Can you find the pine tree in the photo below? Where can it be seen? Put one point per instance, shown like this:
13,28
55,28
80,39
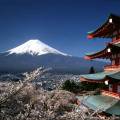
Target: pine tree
92,70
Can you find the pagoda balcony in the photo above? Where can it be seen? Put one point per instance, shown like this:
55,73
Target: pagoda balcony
111,94
112,68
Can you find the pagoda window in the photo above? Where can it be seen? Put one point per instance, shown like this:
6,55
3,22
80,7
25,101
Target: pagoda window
106,82
110,20
108,50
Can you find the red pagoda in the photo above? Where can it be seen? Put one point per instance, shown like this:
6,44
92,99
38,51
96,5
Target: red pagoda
111,74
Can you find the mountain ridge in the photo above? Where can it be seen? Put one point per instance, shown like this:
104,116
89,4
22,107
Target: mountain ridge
22,60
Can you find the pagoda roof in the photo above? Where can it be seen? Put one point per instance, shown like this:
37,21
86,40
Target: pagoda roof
115,76
103,53
106,30
104,103
99,77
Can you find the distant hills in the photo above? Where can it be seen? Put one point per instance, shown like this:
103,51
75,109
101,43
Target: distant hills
34,54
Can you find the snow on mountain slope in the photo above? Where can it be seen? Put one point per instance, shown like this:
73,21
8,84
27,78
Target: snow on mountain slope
34,47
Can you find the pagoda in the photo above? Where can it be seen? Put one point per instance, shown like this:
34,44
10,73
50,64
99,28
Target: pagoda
109,97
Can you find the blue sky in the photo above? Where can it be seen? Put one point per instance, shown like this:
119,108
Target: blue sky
62,24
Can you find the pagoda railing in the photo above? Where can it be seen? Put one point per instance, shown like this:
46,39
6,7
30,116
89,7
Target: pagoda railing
110,93
111,67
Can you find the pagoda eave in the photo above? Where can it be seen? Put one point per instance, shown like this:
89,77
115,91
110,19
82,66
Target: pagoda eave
102,54
107,29
106,53
82,79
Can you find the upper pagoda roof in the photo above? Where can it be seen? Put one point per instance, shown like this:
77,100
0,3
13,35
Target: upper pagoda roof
106,30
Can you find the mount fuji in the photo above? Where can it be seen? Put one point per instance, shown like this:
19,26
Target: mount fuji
34,53
34,47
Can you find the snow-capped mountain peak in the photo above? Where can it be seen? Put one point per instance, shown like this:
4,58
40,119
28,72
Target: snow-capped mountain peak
34,47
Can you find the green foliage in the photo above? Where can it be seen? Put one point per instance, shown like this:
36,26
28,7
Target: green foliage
92,86
81,86
71,86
